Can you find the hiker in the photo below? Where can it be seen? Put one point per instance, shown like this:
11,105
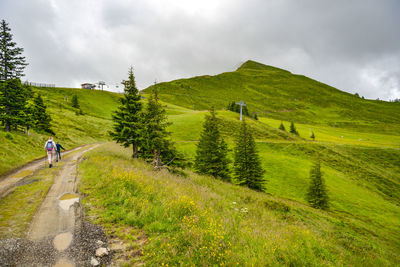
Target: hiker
50,147
58,151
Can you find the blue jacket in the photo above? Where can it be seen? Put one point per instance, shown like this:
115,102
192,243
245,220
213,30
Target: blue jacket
59,146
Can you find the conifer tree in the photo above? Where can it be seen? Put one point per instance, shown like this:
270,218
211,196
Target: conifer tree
231,106
29,111
245,111
255,116
312,136
317,194
13,96
247,165
282,127
236,108
40,116
155,142
211,153
293,129
127,123
75,101
12,63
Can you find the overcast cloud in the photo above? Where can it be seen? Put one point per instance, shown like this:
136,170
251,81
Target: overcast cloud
352,45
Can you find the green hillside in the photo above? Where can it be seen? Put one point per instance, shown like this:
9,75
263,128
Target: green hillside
200,221
276,93
16,148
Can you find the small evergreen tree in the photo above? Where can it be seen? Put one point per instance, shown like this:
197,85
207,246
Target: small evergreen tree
29,110
40,116
312,136
317,194
75,101
245,111
12,63
282,127
13,97
255,116
247,165
211,153
127,121
231,106
154,134
293,129
236,108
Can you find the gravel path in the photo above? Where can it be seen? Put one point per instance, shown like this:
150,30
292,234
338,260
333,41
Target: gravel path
13,178
59,234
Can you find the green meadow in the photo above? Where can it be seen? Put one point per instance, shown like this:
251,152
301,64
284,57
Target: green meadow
200,221
72,130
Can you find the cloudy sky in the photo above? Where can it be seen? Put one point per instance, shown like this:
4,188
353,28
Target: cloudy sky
352,45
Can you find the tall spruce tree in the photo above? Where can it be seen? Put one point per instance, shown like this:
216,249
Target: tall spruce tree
155,141
12,63
247,165
13,96
293,129
127,123
317,194
211,153
42,120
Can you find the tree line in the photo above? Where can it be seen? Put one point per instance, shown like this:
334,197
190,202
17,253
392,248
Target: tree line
144,127
20,107
212,159
232,106
212,155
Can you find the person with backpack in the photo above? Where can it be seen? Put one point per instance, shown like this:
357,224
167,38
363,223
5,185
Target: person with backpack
58,151
50,147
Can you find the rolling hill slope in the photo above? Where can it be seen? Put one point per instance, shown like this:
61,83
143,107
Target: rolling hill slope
71,130
279,94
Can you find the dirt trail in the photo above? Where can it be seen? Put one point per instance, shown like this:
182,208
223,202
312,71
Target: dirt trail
54,215
58,234
9,181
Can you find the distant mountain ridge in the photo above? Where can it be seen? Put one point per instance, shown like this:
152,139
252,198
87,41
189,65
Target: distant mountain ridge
277,93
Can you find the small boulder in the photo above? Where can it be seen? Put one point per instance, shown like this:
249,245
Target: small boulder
100,243
100,252
94,262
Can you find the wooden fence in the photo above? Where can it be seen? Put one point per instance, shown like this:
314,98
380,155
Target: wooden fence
39,84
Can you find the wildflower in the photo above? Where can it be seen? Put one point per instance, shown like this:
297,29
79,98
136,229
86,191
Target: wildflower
244,210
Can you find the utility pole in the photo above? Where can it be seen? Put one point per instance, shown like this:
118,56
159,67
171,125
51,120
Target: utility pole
101,83
241,103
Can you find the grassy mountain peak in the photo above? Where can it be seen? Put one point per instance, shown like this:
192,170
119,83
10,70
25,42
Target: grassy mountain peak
253,65
278,94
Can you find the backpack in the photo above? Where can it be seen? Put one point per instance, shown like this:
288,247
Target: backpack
49,145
